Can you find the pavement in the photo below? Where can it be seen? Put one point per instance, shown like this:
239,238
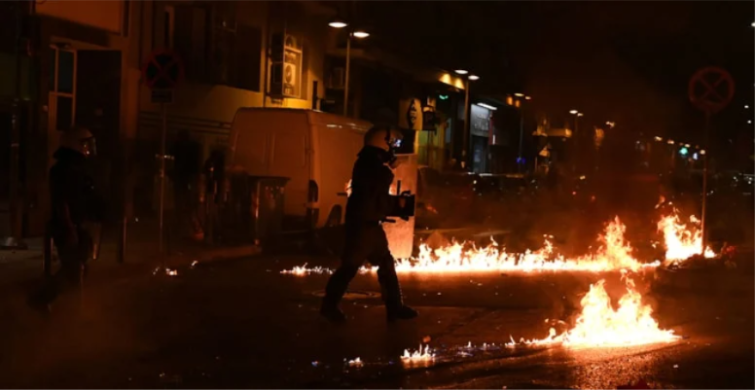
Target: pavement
243,324
21,268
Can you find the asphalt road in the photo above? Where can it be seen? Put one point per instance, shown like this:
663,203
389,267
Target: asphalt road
243,324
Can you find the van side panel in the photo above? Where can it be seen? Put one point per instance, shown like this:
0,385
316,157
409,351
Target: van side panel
290,160
274,143
338,148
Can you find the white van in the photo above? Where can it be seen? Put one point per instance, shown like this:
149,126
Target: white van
315,150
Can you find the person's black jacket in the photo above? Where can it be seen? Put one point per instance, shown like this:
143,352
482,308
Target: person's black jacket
72,186
371,180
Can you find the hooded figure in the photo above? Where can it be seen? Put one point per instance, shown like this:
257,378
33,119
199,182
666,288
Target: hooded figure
367,208
74,202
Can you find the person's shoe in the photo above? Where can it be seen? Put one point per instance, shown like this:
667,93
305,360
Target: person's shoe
332,313
402,313
39,304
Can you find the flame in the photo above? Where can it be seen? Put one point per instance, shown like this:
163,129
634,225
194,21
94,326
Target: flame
614,253
599,325
348,188
421,355
355,362
301,270
682,242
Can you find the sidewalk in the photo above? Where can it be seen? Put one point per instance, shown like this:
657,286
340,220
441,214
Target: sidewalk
22,266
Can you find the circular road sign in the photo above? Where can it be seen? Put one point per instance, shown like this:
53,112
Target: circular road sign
711,89
163,70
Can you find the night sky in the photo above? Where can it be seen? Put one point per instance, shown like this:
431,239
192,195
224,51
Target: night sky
628,62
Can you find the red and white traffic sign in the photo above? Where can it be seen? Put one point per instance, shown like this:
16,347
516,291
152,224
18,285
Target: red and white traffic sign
711,89
163,70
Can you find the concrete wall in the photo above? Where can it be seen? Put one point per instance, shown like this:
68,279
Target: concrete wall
77,25
102,15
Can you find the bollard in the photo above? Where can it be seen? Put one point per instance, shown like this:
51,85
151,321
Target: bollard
122,240
47,260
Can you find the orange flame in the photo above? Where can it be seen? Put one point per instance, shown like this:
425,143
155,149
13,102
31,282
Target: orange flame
614,253
423,354
682,241
600,326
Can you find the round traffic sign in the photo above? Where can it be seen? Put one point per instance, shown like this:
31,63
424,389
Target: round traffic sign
711,89
163,70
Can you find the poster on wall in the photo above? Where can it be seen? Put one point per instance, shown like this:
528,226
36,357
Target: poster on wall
480,121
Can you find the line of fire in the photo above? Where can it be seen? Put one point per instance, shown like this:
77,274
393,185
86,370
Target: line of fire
354,194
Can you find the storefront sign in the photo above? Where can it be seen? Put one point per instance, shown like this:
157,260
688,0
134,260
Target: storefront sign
480,121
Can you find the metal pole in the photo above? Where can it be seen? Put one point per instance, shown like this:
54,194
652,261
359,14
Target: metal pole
162,179
346,77
521,138
14,240
465,138
705,184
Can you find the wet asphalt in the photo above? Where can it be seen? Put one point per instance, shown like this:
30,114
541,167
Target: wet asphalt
243,324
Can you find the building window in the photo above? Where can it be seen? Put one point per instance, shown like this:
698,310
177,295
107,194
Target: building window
169,21
62,85
189,38
238,53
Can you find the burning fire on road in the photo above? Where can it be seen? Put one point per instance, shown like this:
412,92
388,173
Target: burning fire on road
599,325
682,242
613,254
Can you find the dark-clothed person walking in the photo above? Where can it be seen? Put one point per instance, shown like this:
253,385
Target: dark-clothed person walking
366,210
74,204
185,177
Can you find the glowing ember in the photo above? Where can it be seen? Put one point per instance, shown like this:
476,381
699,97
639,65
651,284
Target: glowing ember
168,271
301,270
599,325
356,362
613,254
421,355
682,242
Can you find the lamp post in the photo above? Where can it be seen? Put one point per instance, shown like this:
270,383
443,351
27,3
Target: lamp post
359,34
521,129
465,138
577,115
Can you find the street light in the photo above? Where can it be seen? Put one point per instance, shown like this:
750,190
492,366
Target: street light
528,98
465,144
573,112
519,94
338,24
359,34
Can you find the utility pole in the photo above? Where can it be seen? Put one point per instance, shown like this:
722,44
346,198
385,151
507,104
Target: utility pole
465,138
14,241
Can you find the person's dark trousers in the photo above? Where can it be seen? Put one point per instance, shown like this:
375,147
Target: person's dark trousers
73,261
365,242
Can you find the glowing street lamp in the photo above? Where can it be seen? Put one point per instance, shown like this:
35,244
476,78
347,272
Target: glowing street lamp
338,24
360,34
461,71
573,112
474,77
